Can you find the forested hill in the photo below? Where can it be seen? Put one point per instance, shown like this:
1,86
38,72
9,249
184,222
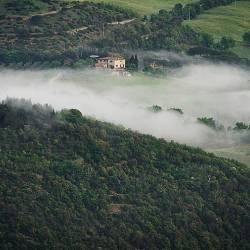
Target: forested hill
52,33
69,182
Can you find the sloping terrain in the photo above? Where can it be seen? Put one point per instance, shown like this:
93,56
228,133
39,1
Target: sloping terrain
240,153
145,7
27,7
74,31
67,182
231,20
55,34
47,34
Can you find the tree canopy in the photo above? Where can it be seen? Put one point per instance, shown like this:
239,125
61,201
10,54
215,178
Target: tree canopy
70,182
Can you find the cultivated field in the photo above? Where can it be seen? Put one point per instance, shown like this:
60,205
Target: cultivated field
232,20
145,7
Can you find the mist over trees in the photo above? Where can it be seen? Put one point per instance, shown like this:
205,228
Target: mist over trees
80,183
69,181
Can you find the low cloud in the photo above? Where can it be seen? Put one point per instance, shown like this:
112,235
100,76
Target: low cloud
218,91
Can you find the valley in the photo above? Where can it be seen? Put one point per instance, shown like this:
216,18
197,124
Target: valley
124,124
223,96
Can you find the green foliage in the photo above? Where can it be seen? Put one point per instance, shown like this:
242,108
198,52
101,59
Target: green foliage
71,116
208,4
226,43
64,34
178,10
36,20
160,31
22,33
151,71
207,40
241,126
19,5
147,7
67,182
246,37
177,110
155,108
26,7
210,122
56,37
132,63
230,20
192,10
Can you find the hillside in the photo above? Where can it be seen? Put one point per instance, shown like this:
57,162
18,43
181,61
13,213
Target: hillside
72,32
26,7
68,182
231,20
147,6
241,153
49,34
57,35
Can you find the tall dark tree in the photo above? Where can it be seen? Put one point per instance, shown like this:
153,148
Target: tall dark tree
226,43
177,10
246,37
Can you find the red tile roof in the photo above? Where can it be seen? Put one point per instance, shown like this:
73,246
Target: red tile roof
111,58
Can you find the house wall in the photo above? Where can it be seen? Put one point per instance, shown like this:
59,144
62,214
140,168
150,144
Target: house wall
104,63
116,64
112,63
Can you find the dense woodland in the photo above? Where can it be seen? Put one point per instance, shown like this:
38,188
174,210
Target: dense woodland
70,182
57,38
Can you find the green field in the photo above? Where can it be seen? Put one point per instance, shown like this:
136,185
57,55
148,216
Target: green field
232,20
239,153
145,7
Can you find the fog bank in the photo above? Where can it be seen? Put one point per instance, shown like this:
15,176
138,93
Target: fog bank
218,91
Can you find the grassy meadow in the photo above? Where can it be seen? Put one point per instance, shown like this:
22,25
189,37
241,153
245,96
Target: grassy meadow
145,7
231,20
